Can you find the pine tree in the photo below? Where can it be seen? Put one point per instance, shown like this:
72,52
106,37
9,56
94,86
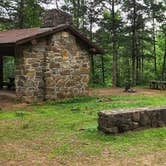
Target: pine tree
156,13
134,10
22,13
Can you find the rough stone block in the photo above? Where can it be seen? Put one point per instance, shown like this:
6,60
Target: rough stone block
118,121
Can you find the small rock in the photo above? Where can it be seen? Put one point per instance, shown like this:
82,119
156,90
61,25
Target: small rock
104,100
130,91
75,109
82,129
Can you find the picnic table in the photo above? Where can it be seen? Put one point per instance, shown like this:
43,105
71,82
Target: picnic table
161,85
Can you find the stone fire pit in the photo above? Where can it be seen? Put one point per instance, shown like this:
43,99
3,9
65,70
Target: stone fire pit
119,121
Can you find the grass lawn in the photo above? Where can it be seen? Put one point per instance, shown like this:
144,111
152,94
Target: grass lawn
65,133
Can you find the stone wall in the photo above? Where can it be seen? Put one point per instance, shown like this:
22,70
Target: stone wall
54,68
29,72
67,71
118,121
54,17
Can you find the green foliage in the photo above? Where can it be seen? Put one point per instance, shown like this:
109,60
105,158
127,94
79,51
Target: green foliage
21,13
8,68
95,19
3,27
32,14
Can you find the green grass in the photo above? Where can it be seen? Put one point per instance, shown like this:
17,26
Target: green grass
67,129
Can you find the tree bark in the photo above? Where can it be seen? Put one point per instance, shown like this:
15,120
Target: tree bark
134,73
75,12
78,13
1,71
103,69
142,57
164,62
114,47
91,25
21,14
154,46
92,69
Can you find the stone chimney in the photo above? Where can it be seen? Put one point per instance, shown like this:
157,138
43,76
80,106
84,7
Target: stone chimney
54,17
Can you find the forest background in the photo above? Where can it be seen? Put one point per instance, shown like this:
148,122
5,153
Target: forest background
132,34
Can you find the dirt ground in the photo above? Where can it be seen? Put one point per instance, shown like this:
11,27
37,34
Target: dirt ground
8,99
109,159
119,91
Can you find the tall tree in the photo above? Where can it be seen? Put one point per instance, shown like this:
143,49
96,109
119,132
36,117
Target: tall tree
156,13
109,37
22,13
134,10
114,45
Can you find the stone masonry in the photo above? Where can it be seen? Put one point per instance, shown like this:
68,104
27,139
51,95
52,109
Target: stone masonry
119,121
54,17
52,68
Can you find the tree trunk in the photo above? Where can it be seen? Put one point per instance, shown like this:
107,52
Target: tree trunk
21,14
134,73
154,46
103,69
91,25
56,3
91,32
142,64
114,47
1,71
92,69
78,13
164,62
75,13
83,17
142,57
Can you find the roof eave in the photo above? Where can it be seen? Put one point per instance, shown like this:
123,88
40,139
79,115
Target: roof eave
7,44
92,47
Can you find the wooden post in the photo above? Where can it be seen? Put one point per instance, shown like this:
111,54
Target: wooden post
1,71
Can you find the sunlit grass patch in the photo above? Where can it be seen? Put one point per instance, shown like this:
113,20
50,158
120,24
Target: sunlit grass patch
67,129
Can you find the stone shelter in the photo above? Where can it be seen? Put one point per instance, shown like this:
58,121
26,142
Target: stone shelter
50,62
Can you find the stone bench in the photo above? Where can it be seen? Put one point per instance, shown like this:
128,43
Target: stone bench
119,121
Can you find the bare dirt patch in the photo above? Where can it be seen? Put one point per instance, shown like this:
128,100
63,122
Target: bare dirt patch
21,154
8,101
120,91
150,159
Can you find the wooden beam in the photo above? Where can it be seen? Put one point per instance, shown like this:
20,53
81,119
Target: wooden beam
1,71
7,51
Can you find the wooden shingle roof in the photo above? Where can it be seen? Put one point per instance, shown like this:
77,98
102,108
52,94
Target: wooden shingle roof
22,36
